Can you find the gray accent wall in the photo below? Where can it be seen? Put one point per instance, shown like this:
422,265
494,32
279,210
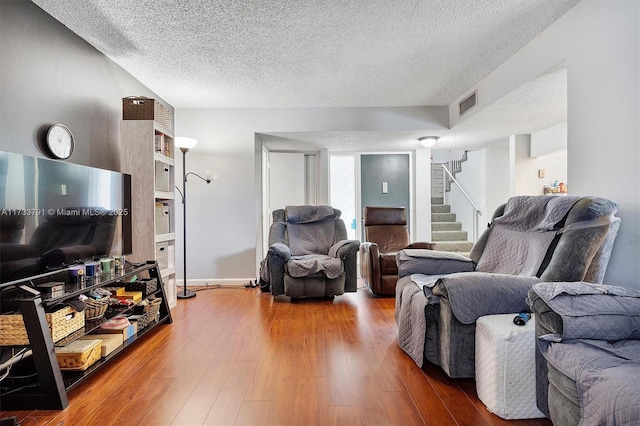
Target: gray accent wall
392,169
50,75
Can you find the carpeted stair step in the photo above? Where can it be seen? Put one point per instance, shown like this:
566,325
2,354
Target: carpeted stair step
456,246
442,208
437,200
446,226
443,217
449,236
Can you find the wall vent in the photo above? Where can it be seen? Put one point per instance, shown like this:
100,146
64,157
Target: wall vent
469,102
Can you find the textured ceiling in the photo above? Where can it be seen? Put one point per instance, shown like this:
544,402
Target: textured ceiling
294,53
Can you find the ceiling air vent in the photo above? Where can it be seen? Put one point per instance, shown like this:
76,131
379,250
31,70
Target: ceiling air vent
469,102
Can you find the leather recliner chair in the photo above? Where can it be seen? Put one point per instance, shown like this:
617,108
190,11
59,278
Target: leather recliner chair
385,233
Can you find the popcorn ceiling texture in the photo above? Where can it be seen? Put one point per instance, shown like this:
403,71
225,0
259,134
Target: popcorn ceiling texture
293,53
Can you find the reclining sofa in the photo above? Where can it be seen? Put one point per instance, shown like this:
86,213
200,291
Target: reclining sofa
531,239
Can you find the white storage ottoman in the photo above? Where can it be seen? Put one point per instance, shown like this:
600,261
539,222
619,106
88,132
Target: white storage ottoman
505,366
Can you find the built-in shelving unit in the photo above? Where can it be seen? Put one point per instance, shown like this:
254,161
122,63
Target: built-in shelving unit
147,155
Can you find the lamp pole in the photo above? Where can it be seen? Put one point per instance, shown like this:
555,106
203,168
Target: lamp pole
186,294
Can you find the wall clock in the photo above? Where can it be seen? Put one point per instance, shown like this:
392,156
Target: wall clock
59,141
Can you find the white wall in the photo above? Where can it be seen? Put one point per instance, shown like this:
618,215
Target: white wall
228,215
498,179
599,42
549,140
485,178
473,181
526,168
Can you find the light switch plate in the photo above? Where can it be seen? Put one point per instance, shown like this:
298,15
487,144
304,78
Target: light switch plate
385,188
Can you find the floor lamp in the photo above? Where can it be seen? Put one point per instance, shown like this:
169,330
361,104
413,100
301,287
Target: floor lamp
185,144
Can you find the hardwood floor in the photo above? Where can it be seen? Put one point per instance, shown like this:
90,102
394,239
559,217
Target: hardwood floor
235,356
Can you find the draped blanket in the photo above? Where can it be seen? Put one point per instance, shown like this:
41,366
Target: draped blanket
410,317
521,236
476,294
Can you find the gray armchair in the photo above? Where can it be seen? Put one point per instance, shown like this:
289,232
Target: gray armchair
531,239
309,254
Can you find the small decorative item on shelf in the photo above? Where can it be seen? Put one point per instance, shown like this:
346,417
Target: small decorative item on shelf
556,188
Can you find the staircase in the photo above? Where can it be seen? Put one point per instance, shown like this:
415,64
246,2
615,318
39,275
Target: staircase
446,232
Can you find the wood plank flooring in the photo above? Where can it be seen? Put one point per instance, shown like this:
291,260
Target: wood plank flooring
235,356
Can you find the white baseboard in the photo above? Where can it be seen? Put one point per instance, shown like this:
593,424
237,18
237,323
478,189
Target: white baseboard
214,281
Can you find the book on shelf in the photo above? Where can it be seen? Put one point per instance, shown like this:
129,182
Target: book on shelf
160,144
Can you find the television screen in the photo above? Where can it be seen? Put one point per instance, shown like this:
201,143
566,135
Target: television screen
53,214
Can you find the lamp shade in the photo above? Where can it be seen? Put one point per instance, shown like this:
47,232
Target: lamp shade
428,141
186,143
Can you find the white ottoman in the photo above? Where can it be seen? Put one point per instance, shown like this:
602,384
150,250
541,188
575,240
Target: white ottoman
505,366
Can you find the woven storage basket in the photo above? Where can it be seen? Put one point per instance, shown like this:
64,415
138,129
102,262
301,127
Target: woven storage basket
150,312
61,323
79,355
142,108
95,308
146,286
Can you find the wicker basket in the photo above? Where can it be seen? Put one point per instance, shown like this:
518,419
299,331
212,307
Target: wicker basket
61,323
142,108
79,355
95,308
150,312
146,286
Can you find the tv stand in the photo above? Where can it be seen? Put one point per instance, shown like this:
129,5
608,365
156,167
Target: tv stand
49,391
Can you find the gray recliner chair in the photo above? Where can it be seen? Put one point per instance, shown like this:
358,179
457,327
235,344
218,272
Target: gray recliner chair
531,239
309,254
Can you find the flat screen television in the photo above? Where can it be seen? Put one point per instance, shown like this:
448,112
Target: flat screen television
54,214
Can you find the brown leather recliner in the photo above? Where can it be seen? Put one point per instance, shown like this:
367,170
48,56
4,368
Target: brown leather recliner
385,233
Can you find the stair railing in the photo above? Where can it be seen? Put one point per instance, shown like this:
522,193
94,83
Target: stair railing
476,210
455,159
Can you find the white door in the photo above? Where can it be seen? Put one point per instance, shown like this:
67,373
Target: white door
286,180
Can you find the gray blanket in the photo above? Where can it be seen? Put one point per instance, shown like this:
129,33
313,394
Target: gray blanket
475,294
598,349
521,236
593,311
412,324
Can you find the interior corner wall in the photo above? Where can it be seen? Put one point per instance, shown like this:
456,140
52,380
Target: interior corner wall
599,42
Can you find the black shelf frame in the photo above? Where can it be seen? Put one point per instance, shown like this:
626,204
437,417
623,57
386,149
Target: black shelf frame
50,393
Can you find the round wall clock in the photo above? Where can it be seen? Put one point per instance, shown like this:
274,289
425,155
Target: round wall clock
59,141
